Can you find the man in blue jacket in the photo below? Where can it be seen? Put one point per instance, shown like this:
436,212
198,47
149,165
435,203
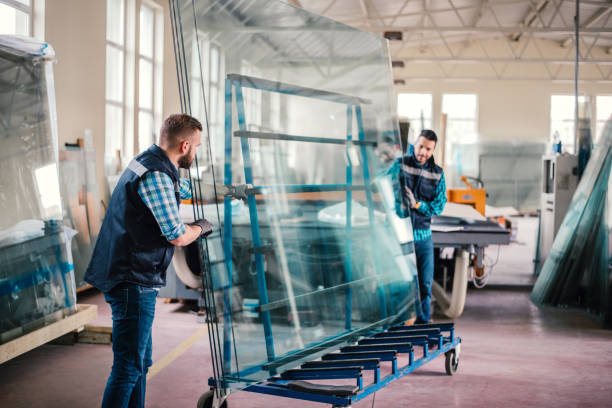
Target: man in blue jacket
141,227
424,194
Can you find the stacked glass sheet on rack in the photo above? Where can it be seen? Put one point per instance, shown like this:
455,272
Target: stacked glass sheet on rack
577,270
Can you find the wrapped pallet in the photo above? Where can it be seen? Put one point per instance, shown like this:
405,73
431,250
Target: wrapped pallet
36,269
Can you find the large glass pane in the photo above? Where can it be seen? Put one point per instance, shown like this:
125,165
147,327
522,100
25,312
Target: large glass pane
114,74
146,134
115,21
145,84
318,256
13,21
147,36
36,270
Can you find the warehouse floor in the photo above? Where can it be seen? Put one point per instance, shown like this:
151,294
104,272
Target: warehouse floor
513,354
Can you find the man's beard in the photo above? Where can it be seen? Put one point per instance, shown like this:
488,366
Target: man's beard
185,160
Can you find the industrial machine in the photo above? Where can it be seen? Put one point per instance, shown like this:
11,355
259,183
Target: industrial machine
473,196
559,181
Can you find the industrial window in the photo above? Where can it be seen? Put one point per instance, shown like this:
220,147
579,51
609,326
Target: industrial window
562,119
133,77
149,76
603,106
115,79
462,117
16,17
212,84
417,108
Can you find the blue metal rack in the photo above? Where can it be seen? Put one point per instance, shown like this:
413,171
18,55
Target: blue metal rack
357,353
235,83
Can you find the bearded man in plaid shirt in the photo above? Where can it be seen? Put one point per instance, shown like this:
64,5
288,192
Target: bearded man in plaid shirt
134,248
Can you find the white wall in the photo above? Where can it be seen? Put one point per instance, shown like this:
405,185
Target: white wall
77,31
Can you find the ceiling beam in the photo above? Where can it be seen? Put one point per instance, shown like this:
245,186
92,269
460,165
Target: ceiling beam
503,29
470,60
530,18
595,17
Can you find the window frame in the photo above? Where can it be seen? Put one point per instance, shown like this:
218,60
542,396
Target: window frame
417,120
24,8
118,104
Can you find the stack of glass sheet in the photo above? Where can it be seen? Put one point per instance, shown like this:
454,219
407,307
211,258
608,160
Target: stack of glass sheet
577,270
300,107
82,209
36,279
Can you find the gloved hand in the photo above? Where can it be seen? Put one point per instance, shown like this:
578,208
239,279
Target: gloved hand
206,226
413,202
239,191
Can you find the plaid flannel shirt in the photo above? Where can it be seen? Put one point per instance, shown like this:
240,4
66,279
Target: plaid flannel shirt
157,191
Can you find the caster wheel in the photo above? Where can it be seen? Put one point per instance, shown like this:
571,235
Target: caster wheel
452,362
206,400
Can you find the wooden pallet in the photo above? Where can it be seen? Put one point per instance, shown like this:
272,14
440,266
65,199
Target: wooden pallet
29,341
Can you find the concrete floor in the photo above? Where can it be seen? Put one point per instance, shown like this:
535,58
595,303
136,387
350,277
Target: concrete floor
513,354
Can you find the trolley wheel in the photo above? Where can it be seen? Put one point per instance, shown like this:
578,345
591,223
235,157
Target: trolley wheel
206,400
452,362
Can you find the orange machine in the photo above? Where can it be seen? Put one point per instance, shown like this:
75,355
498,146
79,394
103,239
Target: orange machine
476,197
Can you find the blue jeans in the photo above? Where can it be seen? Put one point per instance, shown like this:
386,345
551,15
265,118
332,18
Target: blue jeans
133,308
425,264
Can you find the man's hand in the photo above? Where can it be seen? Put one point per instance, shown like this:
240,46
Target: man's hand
413,202
206,227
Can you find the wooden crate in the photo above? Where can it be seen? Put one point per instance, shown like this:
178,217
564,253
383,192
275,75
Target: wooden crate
29,341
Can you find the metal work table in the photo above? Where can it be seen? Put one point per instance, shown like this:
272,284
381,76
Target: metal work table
469,238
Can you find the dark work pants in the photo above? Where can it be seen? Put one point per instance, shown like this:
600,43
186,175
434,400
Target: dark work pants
425,264
133,308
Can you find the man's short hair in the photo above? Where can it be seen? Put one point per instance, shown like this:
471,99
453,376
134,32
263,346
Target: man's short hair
429,135
177,128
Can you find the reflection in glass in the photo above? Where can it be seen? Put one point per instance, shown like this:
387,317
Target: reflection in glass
48,189
316,255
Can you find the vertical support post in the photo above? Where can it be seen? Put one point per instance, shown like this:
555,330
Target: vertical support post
348,254
410,357
426,350
259,264
227,229
368,191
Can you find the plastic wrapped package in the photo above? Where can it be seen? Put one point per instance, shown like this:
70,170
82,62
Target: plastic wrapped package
299,107
36,278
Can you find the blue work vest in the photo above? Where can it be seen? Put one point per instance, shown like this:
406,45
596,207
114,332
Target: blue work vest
130,246
423,180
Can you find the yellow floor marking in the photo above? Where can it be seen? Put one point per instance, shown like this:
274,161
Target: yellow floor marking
176,352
